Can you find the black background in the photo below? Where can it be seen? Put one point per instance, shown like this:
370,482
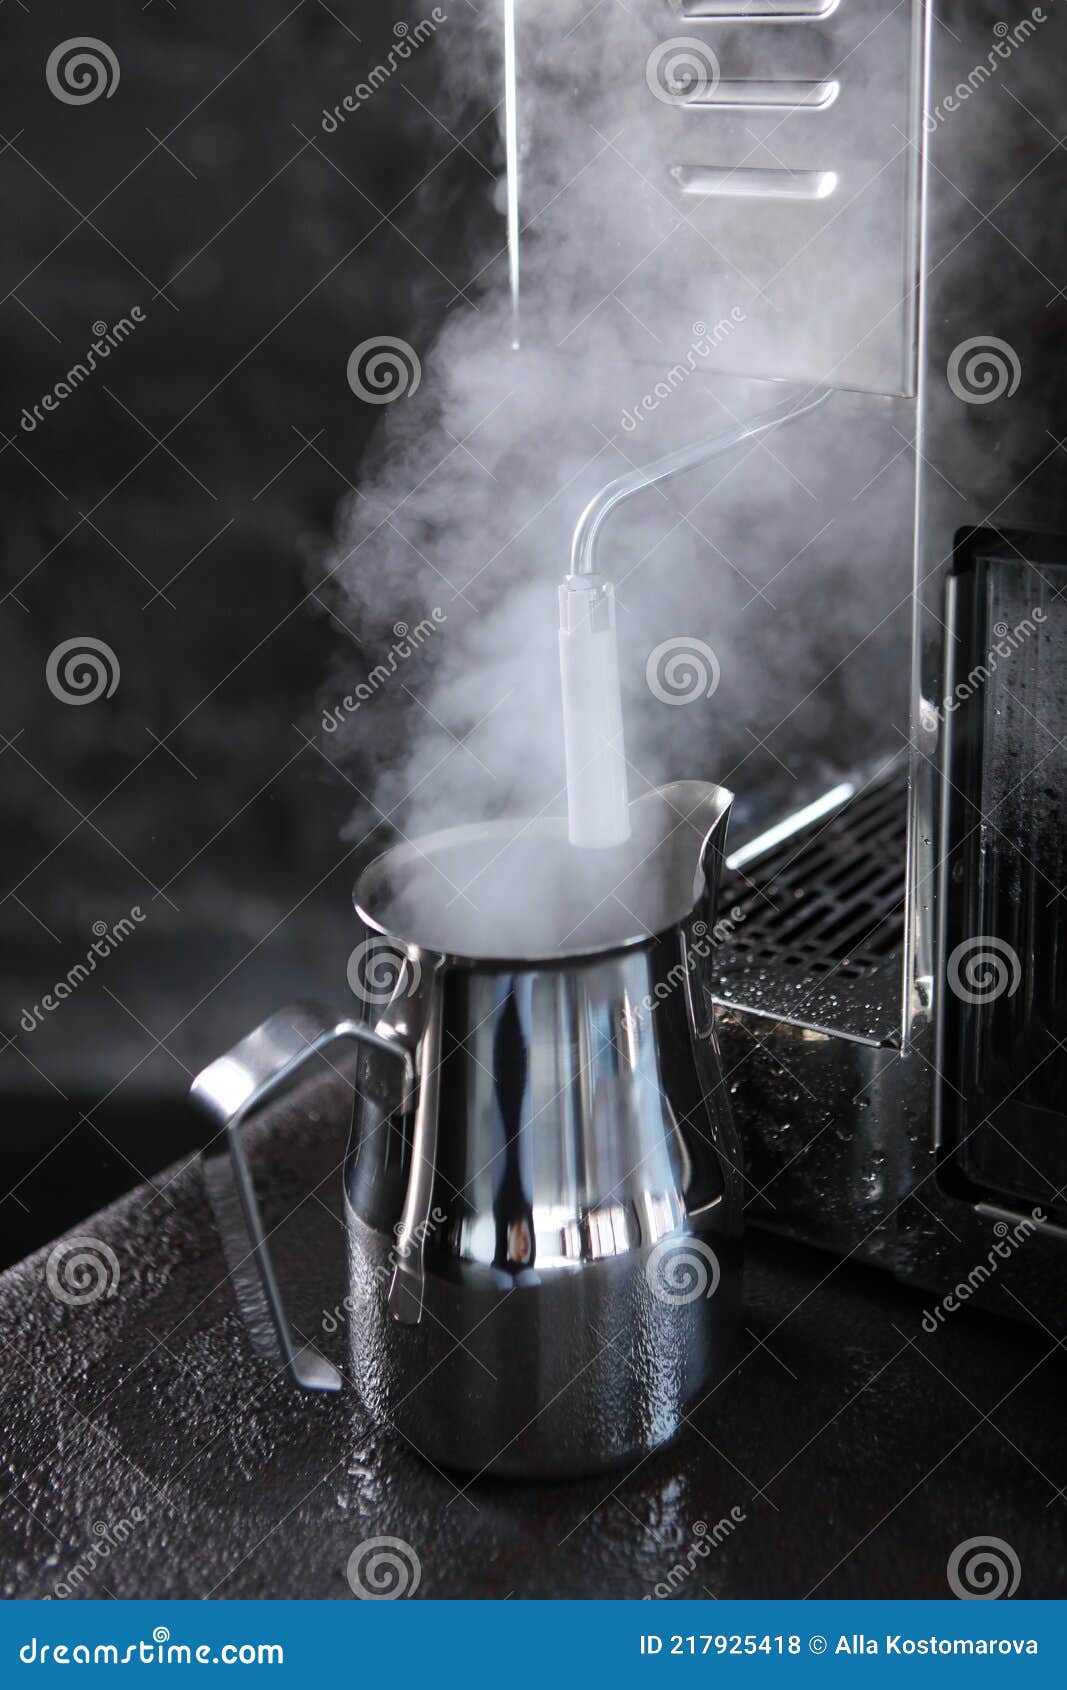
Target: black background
179,506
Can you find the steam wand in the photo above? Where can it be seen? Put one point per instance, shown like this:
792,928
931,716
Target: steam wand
597,800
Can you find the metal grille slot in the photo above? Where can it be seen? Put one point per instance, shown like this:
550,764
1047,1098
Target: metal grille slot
764,95
737,183
780,11
829,899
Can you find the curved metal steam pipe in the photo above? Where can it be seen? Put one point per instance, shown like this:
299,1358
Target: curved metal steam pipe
602,504
597,792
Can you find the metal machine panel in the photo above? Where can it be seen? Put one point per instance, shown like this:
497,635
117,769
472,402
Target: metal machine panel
749,168
1005,1003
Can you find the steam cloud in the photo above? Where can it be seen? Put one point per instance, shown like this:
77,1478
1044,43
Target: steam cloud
472,487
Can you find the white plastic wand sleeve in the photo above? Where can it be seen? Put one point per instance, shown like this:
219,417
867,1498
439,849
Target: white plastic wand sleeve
597,807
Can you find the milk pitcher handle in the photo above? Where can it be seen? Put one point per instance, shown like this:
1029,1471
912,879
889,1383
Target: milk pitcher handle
228,1091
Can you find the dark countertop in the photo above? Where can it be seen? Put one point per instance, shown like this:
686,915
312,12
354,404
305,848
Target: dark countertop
859,1449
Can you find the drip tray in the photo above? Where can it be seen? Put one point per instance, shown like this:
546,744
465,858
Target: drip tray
813,926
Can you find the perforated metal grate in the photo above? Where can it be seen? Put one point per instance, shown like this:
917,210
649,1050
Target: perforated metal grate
830,898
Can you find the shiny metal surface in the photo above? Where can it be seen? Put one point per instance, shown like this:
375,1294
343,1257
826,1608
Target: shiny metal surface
772,145
544,1242
808,1001
835,1114
228,1091
995,464
843,1094
992,465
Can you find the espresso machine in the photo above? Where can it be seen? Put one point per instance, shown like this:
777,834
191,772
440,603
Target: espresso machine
851,198
890,996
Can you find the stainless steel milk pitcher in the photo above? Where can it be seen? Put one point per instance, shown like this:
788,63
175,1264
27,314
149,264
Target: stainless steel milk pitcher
542,1189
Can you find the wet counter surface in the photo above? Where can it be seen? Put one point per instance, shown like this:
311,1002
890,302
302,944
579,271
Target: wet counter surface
148,1452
